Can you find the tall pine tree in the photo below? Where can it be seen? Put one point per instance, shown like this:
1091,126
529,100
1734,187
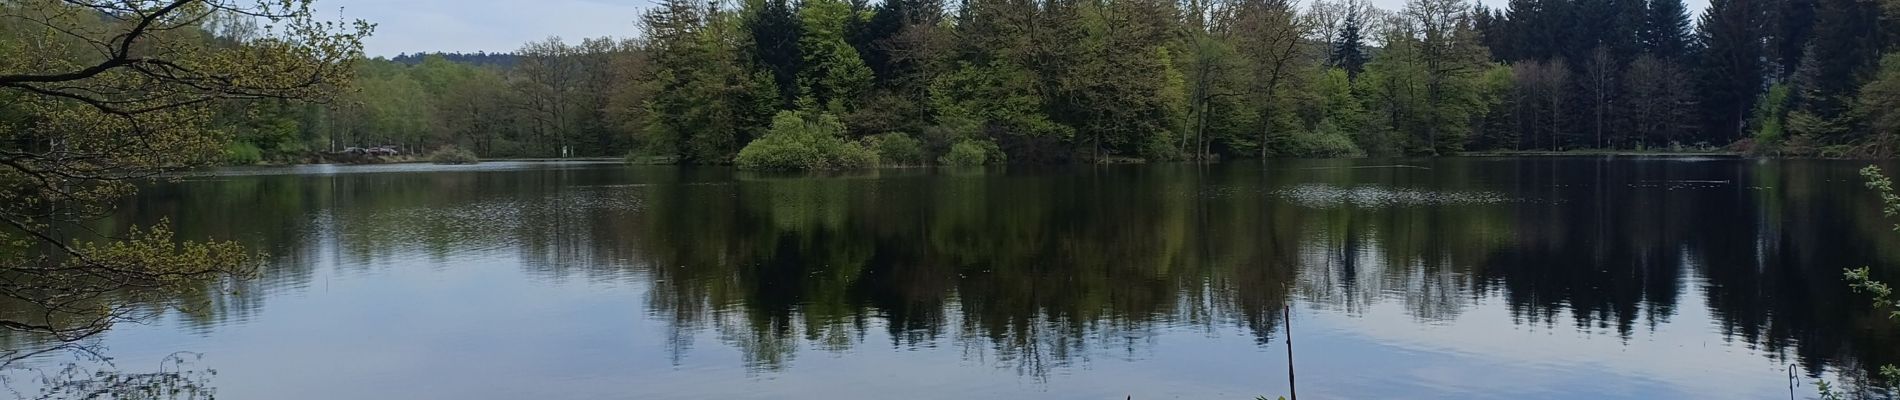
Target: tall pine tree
1790,24
1667,31
1348,52
1731,67
775,30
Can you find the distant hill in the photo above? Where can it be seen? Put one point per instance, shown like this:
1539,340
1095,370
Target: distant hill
503,60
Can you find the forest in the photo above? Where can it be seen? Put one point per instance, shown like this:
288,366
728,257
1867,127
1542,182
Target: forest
777,84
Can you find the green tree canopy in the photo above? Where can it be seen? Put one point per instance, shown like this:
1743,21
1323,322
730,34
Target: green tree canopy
97,94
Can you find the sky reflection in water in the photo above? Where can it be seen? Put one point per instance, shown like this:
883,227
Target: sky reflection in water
1448,278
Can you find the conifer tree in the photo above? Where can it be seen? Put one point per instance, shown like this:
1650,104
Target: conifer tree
1731,69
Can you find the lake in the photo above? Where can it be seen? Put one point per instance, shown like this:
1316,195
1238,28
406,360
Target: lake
1466,278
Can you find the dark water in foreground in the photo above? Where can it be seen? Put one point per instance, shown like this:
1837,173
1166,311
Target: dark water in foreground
1505,278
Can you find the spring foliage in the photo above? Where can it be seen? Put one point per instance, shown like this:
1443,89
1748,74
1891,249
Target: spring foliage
1128,80
95,95
801,140
1125,80
1862,280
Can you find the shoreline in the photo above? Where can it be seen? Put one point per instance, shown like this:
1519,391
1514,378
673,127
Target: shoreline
424,161
1477,154
1613,153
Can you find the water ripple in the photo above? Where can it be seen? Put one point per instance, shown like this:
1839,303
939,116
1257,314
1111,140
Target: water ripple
1319,195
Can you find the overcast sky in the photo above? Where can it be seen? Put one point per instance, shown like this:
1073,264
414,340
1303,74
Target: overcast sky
409,26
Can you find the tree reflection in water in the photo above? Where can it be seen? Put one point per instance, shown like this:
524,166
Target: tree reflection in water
1038,269
179,376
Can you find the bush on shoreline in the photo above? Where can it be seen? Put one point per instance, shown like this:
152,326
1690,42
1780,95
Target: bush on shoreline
897,149
453,155
971,152
804,140
242,153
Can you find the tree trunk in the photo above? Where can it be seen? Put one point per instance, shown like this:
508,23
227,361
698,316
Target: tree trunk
1266,125
1431,127
1200,136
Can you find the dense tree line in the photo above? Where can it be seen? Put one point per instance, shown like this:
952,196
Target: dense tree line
1058,81
505,60
988,81
1776,75
549,98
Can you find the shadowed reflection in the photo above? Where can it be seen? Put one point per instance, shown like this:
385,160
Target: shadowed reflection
1038,269
179,376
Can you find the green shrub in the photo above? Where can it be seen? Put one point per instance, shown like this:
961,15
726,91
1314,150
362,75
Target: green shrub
897,148
1326,140
242,153
801,140
1161,148
1880,98
453,155
1771,115
949,130
970,152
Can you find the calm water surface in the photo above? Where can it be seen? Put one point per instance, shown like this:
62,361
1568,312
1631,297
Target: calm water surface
1468,278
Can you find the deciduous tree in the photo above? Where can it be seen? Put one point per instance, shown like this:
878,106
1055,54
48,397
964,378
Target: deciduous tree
99,94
